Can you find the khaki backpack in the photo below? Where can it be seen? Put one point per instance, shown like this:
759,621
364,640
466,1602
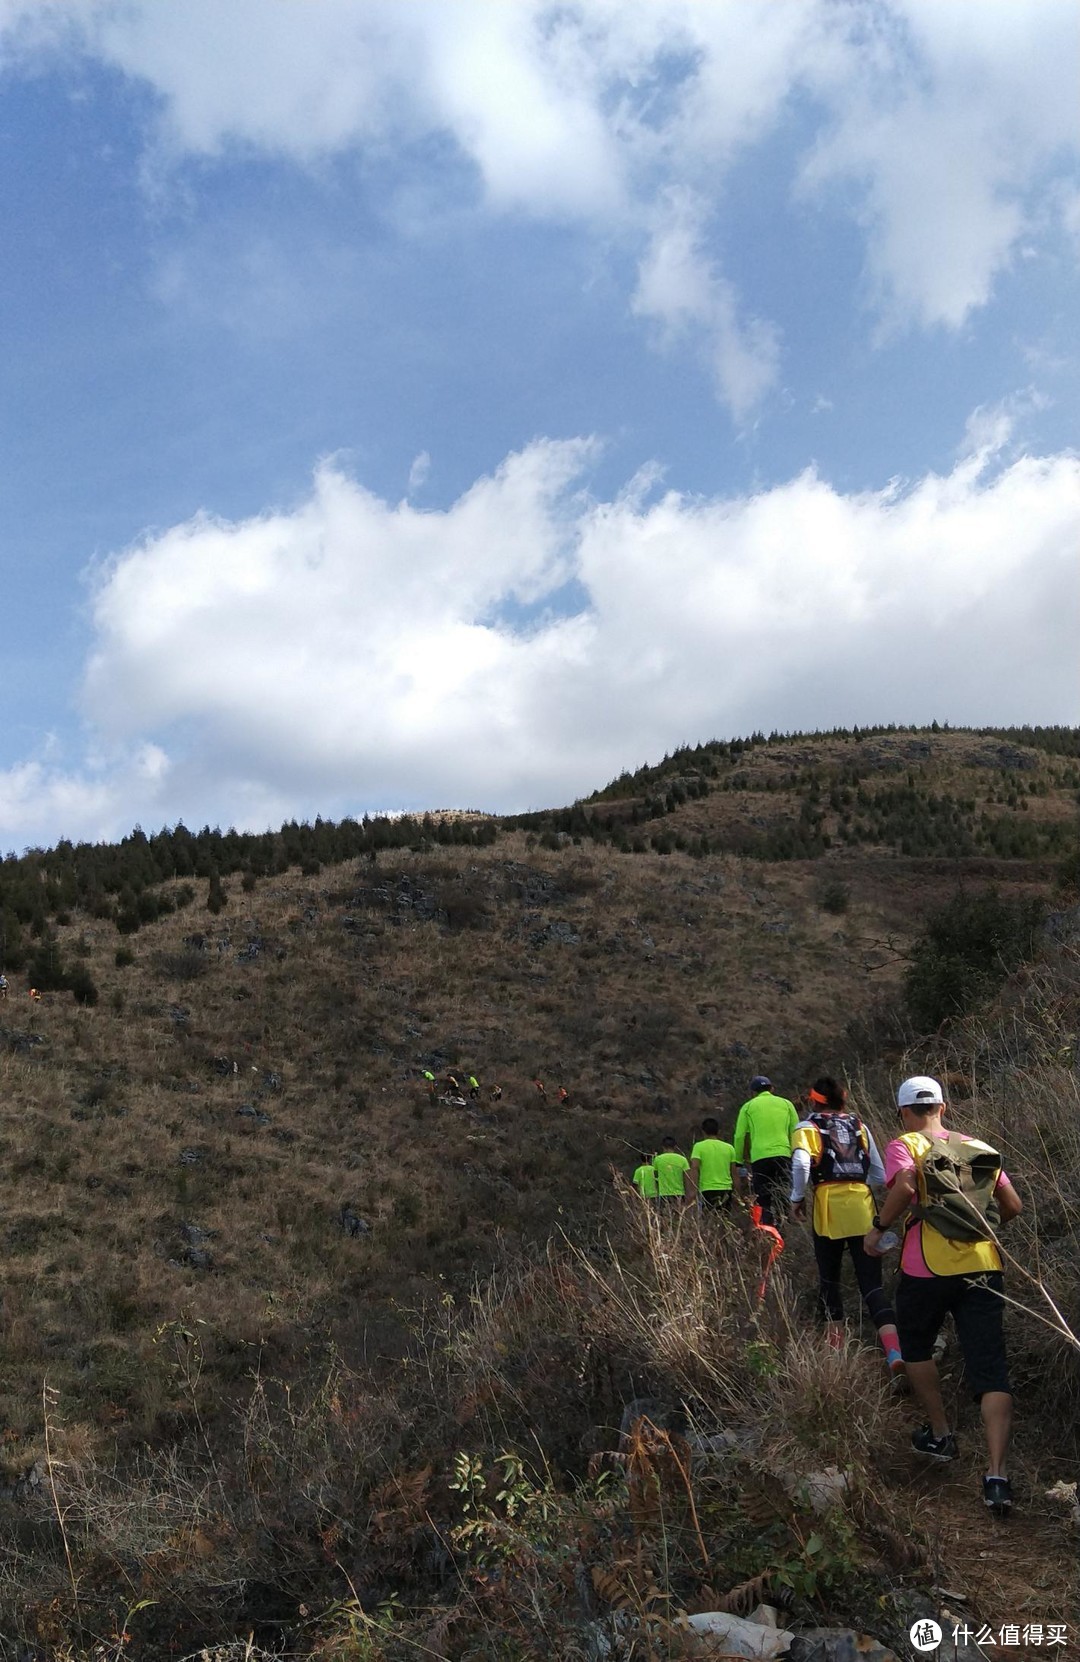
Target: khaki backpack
957,1179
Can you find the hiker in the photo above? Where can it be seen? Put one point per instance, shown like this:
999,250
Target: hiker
671,1168
451,1085
564,1097
3,986
34,995
834,1154
539,1083
766,1122
474,1088
953,1194
644,1178
496,1093
429,1081
712,1162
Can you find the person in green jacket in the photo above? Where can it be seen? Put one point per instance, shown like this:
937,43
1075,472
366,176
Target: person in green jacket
644,1179
712,1163
671,1168
766,1123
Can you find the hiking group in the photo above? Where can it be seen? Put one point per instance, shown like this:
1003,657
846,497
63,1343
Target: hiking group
948,1191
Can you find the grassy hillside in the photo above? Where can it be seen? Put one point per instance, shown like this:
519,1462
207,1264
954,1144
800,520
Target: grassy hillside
188,1117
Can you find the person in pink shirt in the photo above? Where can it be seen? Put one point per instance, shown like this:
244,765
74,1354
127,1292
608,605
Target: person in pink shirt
945,1273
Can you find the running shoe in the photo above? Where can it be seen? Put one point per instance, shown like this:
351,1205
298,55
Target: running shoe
943,1448
997,1495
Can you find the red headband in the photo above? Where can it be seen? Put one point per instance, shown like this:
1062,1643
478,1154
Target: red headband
816,1096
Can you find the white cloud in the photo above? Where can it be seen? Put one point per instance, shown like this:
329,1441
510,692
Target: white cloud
679,285
419,471
951,131
354,653
945,130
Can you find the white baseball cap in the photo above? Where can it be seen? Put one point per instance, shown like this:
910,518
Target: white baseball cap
919,1092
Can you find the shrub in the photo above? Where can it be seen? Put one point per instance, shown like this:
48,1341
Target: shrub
82,984
123,957
835,897
966,951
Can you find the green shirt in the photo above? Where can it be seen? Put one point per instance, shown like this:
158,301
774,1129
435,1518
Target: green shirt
645,1182
716,1160
769,1120
671,1169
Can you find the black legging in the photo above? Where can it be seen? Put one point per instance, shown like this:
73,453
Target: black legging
830,1258
771,1179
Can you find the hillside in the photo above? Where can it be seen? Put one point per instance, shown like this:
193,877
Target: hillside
206,1093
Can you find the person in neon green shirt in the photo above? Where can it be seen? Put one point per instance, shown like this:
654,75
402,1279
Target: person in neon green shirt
644,1178
712,1163
767,1123
671,1168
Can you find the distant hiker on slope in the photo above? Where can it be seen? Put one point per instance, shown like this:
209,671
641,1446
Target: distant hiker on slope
712,1163
671,1169
835,1154
954,1194
430,1082
564,1097
474,1088
644,1179
496,1093
766,1122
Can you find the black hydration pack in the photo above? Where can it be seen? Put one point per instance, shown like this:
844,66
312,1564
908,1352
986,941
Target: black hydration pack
844,1156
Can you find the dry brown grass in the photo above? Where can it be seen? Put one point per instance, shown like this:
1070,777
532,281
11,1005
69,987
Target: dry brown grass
120,1129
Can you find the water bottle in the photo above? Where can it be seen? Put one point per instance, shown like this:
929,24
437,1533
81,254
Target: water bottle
889,1241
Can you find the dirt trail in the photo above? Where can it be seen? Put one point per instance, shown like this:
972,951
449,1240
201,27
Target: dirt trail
1022,1569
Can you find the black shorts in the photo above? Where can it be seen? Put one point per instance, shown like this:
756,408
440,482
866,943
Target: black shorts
977,1308
716,1199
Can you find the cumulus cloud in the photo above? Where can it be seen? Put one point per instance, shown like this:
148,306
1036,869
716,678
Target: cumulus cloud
950,134
948,139
353,653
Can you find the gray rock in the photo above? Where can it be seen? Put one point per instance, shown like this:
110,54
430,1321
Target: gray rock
248,1111
26,1484
1063,926
838,1644
559,931
192,1156
665,1416
725,1445
352,1223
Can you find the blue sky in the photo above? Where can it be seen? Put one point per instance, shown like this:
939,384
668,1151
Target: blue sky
431,403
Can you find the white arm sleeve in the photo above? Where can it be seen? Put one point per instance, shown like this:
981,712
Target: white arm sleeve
876,1175
800,1173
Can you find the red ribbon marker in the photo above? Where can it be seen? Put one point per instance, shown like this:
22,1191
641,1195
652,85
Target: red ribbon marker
775,1249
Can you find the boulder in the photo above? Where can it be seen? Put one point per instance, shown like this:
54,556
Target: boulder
715,1633
821,1490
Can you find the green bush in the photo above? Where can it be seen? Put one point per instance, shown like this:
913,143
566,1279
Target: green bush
82,984
966,951
834,897
123,957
